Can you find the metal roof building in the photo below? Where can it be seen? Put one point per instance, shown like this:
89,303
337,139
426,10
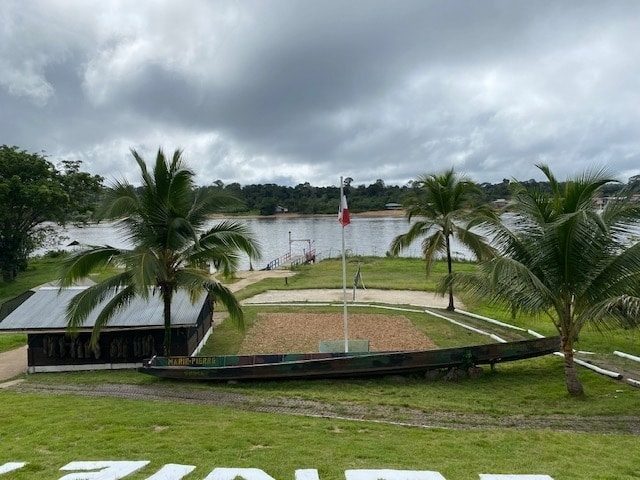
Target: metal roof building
45,311
134,333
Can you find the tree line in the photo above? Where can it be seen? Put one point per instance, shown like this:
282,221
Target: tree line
306,199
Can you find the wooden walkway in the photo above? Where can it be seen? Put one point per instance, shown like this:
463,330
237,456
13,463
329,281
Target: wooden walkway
287,260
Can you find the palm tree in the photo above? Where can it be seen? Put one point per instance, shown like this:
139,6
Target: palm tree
563,257
444,205
164,220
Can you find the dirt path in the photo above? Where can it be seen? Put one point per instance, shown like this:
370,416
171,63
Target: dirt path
13,363
248,277
398,297
393,415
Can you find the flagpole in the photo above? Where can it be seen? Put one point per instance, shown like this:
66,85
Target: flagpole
344,280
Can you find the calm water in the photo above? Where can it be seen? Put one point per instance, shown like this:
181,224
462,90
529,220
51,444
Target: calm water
364,236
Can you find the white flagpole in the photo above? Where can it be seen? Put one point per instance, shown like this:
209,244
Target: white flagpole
344,280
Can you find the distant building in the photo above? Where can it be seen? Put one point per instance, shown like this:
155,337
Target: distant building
500,203
393,206
279,209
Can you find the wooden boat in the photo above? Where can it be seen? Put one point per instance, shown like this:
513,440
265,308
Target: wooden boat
334,365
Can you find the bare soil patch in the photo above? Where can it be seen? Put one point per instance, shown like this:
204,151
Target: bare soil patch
302,332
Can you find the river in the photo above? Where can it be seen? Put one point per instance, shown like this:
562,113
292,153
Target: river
281,234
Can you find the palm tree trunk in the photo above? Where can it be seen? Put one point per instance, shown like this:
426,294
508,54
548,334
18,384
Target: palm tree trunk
451,307
574,387
166,298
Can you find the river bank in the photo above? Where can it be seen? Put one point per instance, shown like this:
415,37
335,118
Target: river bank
368,214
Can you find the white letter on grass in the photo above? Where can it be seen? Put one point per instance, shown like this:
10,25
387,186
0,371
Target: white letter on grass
492,476
385,474
11,466
231,473
307,474
172,471
109,470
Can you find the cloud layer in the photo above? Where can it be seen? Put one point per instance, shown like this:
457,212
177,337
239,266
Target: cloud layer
287,92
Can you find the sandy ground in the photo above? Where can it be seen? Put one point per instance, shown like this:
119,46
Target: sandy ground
12,363
396,297
325,295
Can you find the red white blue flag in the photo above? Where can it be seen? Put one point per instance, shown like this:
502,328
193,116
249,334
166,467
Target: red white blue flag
343,212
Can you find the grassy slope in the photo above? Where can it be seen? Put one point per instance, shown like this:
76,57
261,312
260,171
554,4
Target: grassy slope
210,437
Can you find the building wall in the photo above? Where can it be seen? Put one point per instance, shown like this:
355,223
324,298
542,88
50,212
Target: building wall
126,347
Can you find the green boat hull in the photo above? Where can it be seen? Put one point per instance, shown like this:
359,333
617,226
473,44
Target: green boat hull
336,365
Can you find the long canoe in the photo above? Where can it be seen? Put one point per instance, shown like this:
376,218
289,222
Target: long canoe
334,365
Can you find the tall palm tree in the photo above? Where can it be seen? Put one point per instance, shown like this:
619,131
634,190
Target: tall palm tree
164,219
563,257
444,205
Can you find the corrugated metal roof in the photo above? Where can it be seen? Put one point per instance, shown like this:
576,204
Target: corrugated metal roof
45,310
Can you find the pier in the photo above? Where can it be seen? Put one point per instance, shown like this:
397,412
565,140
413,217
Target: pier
289,260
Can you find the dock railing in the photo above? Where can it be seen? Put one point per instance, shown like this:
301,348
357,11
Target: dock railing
288,260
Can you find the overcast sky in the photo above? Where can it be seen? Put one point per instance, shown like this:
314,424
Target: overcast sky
294,91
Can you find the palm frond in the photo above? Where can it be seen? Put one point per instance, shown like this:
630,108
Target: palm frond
226,239
81,264
476,242
431,245
120,201
614,312
223,295
81,305
416,230
118,302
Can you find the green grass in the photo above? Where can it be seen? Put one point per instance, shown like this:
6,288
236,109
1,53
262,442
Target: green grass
49,432
40,271
9,341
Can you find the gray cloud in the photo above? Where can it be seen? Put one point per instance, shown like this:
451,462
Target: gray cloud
289,92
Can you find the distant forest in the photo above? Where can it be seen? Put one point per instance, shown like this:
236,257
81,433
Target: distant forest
269,199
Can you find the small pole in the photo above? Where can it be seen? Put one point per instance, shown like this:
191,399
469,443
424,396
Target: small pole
344,281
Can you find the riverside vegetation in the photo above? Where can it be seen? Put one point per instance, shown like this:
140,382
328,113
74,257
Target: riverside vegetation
518,419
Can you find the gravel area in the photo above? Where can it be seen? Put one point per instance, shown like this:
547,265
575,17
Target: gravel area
302,332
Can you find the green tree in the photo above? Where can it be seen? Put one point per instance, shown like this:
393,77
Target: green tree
33,192
562,257
445,206
165,221
84,191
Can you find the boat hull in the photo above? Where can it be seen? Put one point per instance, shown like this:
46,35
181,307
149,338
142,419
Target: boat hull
336,365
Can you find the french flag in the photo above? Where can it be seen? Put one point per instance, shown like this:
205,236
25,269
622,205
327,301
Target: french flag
343,212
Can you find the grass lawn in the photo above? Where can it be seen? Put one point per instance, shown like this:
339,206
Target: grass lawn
49,431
